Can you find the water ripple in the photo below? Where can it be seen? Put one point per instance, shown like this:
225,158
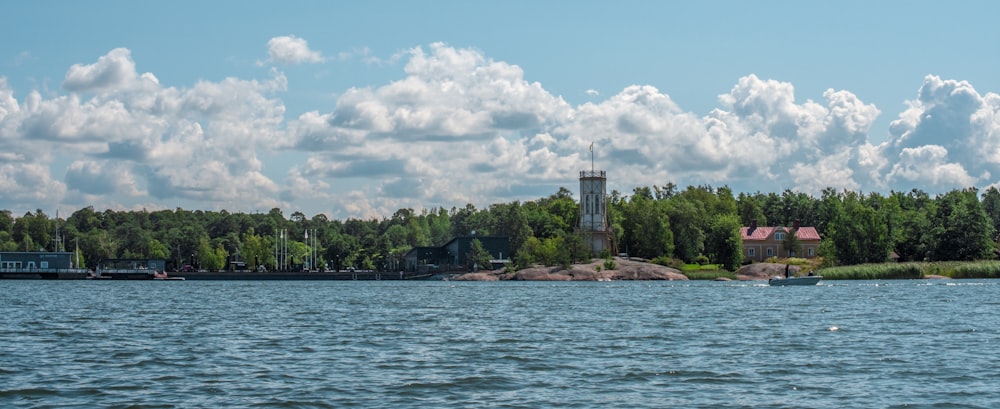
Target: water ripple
504,345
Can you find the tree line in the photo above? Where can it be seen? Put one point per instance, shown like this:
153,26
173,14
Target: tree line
662,223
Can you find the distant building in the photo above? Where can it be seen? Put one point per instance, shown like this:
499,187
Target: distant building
453,255
23,260
594,211
134,264
763,242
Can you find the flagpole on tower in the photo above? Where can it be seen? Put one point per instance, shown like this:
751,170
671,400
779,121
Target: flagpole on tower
591,157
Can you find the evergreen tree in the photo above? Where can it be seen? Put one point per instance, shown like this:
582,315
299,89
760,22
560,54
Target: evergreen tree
478,258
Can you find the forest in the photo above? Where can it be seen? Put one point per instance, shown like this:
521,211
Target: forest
660,223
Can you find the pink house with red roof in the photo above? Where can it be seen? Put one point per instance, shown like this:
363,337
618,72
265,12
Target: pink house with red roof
761,243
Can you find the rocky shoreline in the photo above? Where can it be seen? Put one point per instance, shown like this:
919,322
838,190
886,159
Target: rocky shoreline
625,269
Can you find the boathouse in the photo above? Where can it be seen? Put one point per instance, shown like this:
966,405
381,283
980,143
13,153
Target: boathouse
134,264
23,260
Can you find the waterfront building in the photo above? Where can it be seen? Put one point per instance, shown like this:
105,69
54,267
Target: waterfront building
454,254
763,242
33,260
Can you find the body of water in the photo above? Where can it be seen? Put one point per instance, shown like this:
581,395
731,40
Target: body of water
151,344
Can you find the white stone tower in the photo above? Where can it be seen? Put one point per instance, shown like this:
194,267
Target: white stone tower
593,208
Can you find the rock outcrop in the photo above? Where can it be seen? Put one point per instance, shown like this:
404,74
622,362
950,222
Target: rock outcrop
625,269
764,271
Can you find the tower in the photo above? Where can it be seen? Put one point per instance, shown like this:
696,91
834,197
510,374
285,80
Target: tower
593,208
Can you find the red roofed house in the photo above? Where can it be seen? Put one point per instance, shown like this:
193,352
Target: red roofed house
761,243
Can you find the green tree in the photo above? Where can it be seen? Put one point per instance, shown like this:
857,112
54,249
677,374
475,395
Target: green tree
211,258
646,227
991,205
723,243
911,229
750,211
510,220
439,224
859,233
685,223
478,258
257,251
962,229
6,221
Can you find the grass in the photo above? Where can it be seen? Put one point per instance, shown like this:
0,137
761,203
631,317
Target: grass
913,270
706,272
709,274
698,267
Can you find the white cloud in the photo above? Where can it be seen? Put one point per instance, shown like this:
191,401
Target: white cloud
458,127
448,94
136,139
948,137
8,105
291,50
928,166
113,70
28,185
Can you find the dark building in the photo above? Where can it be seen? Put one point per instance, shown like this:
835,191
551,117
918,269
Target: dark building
17,260
134,264
453,255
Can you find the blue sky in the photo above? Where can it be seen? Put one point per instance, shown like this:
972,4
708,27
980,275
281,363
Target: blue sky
356,109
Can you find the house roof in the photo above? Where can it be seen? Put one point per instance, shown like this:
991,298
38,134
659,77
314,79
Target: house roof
764,232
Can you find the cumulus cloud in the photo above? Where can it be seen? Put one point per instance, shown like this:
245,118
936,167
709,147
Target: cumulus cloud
113,70
949,136
458,127
494,133
448,94
291,50
28,185
8,105
133,137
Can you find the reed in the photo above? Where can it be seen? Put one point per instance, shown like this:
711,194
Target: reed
885,271
979,269
913,270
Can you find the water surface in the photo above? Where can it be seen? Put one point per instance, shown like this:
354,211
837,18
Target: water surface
863,344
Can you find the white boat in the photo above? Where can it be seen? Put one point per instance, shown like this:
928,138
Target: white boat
804,280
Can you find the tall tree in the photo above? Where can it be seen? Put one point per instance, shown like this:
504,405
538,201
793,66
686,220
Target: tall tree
686,217
646,227
991,205
962,229
723,243
478,258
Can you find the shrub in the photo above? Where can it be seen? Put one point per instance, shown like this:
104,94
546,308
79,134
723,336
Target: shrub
605,253
609,264
701,259
661,260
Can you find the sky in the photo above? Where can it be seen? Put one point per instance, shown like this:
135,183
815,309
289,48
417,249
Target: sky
358,109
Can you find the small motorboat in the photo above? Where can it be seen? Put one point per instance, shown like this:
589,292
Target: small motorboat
804,280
